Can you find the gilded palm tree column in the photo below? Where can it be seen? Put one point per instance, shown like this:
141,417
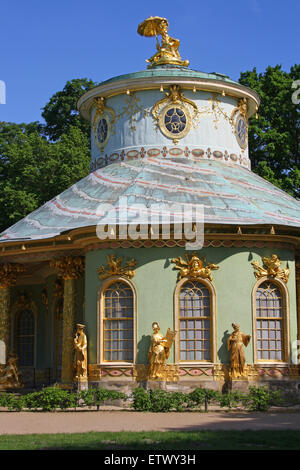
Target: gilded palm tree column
8,278
298,296
70,269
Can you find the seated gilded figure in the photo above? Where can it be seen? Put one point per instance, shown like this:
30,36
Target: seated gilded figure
10,377
167,51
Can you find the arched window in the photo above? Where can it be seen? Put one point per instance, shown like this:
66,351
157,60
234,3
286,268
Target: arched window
195,322
117,322
25,336
270,322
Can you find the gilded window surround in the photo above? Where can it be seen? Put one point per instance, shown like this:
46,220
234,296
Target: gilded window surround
213,324
100,318
286,322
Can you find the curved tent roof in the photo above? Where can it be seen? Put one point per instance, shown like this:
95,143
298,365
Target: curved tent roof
228,193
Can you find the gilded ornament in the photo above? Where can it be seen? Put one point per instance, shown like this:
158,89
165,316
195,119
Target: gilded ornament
8,274
24,301
58,289
174,114
159,351
193,267
69,267
131,108
168,372
114,268
239,121
271,268
103,121
235,344
10,376
167,51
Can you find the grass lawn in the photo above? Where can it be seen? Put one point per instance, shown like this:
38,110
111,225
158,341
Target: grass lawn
172,440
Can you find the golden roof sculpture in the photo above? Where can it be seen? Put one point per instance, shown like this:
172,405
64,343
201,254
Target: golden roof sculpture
167,51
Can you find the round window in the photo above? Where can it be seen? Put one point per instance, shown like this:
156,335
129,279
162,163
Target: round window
175,121
102,130
241,131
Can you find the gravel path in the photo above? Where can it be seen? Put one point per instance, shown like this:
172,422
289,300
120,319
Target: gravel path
84,421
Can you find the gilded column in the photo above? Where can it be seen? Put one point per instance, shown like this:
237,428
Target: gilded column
70,269
8,278
298,296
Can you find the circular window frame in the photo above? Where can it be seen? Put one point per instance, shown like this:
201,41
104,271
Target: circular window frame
101,116
162,125
242,144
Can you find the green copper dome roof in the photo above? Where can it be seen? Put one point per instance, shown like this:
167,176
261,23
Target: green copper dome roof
170,71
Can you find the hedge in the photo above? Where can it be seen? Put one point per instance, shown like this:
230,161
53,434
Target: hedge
54,398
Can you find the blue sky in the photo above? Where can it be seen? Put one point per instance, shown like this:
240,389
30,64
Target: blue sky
44,44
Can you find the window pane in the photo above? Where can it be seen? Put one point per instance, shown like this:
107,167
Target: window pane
25,338
118,304
269,306
194,321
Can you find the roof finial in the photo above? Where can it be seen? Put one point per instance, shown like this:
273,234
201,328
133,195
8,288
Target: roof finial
167,51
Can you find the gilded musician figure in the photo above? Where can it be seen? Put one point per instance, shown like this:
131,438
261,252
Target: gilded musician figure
235,343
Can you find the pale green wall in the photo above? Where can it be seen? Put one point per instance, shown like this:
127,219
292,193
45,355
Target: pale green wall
155,282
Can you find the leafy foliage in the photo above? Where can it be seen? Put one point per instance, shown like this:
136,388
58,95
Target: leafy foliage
61,112
274,137
261,398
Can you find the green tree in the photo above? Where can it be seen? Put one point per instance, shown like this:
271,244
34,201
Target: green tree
61,113
274,136
33,170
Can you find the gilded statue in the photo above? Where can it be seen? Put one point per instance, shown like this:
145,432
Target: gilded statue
11,374
80,345
271,268
167,51
235,344
159,351
193,267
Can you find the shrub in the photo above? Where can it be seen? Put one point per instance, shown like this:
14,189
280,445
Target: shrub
141,400
202,396
161,401
261,398
232,400
51,398
95,397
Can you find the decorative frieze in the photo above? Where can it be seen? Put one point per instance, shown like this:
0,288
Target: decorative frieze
191,153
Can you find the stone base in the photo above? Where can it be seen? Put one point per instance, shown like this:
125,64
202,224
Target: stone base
153,384
82,384
238,386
